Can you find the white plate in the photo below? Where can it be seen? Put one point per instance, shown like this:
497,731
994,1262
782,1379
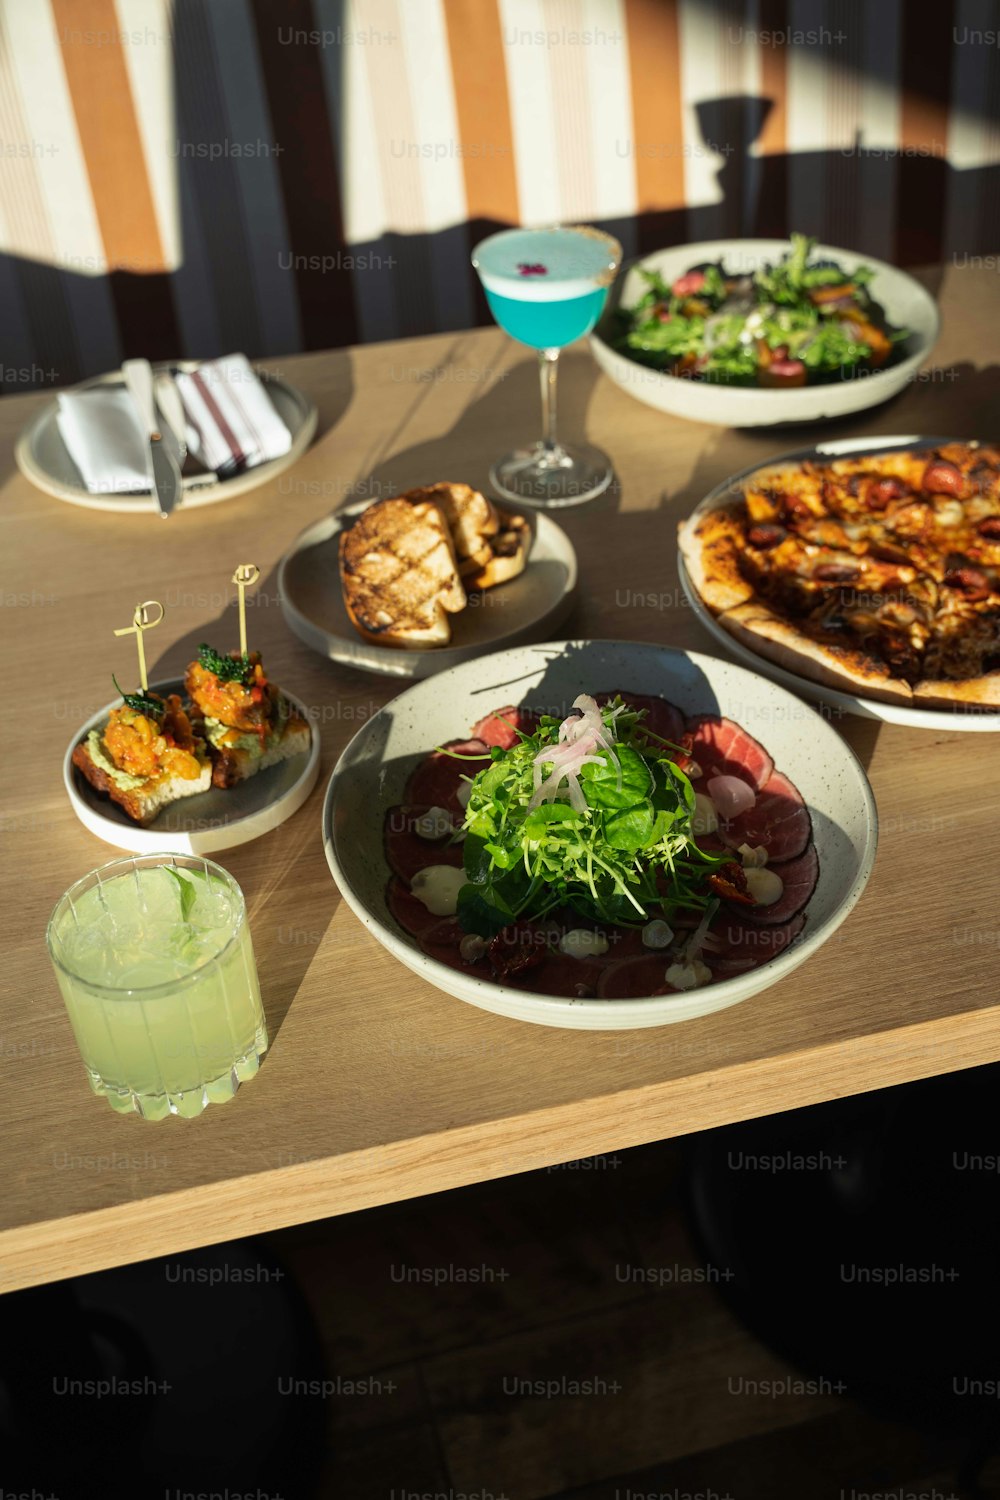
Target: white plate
373,770
529,607
42,457
207,822
905,302
866,708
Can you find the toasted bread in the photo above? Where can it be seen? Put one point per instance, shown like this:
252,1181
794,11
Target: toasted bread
237,756
144,801
508,555
472,519
400,574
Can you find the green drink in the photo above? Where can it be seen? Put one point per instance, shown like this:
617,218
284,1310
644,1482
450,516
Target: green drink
155,964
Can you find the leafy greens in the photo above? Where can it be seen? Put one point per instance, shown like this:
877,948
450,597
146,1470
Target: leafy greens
629,855
816,320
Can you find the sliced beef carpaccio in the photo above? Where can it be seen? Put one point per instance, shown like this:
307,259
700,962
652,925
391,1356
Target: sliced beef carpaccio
743,945
438,778
634,978
722,748
779,820
502,725
411,914
407,851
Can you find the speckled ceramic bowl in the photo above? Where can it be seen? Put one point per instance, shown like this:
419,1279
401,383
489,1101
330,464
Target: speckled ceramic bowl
906,303
372,773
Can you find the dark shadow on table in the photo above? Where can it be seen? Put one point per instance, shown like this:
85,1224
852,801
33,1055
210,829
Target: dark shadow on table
283,944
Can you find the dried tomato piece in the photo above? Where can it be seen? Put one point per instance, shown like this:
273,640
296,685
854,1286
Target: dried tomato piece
519,946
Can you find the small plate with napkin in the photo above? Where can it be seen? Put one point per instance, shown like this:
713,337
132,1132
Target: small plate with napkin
241,427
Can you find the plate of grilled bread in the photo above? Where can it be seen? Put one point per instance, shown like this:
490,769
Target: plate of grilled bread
415,583
196,764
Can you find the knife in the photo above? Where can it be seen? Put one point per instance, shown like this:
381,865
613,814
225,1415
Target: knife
165,476
168,399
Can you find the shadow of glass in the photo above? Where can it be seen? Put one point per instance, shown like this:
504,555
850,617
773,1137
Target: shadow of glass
289,915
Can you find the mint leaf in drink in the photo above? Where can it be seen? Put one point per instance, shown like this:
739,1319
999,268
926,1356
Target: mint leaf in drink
188,891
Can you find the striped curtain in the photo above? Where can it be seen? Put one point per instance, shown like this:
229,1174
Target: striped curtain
193,177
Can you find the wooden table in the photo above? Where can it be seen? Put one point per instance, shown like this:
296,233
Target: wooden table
377,1087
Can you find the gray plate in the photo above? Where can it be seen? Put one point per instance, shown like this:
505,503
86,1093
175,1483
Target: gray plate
528,607
42,457
208,821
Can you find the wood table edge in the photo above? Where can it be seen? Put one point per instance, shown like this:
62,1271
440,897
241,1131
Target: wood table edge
301,1192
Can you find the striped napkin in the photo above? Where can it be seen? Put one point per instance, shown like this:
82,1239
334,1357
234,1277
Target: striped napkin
235,425
231,426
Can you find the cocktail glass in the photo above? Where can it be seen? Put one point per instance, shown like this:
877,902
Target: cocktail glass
547,287
153,957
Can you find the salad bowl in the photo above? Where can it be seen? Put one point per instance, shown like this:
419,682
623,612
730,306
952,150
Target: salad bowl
373,771
906,304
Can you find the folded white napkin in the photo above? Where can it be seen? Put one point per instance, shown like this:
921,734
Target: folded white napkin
104,439
231,425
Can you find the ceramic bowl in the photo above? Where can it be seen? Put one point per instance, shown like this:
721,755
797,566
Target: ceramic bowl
372,773
905,302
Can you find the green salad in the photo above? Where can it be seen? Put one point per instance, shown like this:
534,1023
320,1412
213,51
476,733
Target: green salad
590,813
797,322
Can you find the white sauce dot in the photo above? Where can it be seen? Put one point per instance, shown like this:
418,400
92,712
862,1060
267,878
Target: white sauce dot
464,793
657,934
435,823
580,942
704,819
688,976
438,887
764,885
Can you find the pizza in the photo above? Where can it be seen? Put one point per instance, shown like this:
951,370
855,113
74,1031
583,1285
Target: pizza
877,575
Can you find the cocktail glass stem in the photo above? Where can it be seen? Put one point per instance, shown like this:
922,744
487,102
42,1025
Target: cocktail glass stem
548,370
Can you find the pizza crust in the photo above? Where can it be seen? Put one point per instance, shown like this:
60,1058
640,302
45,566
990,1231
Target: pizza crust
758,627
711,553
969,692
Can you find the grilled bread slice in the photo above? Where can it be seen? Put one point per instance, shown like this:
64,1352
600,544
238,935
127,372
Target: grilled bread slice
144,801
472,519
507,556
400,575
145,756
237,755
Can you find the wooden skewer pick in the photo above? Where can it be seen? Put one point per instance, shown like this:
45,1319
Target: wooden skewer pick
245,577
142,620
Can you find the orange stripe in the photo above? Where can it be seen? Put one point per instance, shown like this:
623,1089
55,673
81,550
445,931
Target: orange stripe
654,55
109,133
479,78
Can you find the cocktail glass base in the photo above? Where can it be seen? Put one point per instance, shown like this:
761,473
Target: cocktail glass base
187,1103
552,476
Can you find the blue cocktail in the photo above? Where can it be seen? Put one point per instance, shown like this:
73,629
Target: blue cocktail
547,287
